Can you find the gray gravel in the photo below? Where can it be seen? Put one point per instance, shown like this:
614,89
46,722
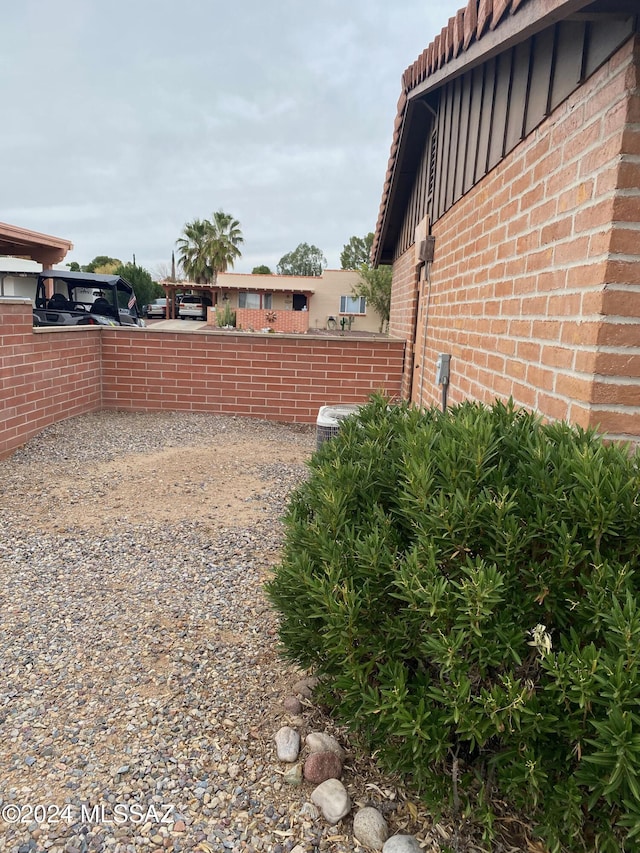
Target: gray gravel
139,683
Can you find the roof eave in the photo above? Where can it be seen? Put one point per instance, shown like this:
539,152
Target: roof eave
513,29
507,31
42,248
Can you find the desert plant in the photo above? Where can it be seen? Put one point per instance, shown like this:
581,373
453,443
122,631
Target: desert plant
226,316
467,585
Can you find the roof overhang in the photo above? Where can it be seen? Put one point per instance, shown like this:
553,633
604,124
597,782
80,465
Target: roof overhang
531,18
420,95
43,248
245,288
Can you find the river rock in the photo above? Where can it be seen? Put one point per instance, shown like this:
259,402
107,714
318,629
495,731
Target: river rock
287,744
370,828
321,742
321,766
305,686
401,844
332,799
292,705
293,775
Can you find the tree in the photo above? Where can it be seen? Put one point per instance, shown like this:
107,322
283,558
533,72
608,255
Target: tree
356,252
375,286
144,287
225,241
263,269
102,265
74,266
209,246
304,260
192,251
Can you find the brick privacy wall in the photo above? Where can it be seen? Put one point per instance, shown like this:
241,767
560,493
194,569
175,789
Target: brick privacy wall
274,377
287,322
48,375
536,279
44,376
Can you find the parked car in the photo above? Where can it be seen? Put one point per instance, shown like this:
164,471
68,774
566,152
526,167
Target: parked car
194,307
85,299
157,310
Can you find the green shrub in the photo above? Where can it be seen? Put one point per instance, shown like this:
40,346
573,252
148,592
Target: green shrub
467,584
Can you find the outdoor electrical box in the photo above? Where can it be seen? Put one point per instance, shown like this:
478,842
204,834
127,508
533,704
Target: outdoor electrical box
442,369
427,249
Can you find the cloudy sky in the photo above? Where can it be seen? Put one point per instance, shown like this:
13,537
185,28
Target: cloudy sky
124,119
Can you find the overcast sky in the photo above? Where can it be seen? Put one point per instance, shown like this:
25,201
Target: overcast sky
124,119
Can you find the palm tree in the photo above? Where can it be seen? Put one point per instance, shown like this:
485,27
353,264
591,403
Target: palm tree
208,247
224,242
193,251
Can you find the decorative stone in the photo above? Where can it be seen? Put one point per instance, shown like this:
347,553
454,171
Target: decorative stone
293,775
321,742
292,705
321,766
401,844
287,744
332,799
370,828
309,811
305,687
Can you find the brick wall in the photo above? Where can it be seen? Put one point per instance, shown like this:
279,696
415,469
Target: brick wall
44,376
536,279
258,318
275,377
50,374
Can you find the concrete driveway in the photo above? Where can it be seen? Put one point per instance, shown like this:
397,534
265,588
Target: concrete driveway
177,325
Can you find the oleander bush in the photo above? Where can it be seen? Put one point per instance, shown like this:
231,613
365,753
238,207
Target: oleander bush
467,584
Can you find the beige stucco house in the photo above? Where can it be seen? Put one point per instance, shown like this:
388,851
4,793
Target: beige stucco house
284,303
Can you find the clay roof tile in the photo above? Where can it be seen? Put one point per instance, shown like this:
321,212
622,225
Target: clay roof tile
499,8
451,26
470,22
485,10
436,52
458,32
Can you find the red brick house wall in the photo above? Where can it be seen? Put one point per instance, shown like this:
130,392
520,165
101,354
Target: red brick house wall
49,374
536,280
403,313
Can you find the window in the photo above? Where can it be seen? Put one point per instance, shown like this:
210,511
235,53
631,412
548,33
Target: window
353,305
254,300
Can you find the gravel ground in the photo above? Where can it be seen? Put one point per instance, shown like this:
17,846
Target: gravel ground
140,686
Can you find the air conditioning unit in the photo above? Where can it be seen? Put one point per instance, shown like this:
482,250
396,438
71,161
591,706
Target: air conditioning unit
328,422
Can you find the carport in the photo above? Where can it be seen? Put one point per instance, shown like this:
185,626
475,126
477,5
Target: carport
20,243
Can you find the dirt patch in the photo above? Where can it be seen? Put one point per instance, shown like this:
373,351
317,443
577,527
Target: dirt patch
216,486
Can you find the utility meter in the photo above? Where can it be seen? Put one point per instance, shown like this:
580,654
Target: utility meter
442,369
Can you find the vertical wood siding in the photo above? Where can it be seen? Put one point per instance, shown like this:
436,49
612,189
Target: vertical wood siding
486,112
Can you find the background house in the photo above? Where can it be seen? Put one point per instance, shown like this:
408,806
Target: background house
23,254
516,146
288,303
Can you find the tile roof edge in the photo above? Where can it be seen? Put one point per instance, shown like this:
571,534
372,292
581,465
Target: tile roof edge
473,22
